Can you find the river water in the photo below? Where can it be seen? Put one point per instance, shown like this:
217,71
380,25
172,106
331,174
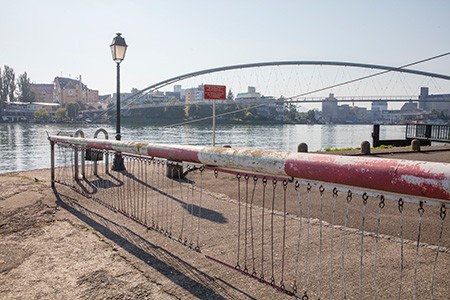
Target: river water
25,146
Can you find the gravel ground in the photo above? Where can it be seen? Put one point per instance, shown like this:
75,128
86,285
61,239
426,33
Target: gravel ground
56,244
63,246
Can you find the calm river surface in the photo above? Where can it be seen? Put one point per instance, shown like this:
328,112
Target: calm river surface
25,146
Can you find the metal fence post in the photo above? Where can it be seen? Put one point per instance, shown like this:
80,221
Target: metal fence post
52,162
79,133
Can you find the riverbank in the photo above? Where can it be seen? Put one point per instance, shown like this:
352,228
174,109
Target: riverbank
56,244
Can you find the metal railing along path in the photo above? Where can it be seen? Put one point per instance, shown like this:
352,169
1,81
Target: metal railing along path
431,132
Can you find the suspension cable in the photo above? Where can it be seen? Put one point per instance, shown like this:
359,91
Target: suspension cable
315,91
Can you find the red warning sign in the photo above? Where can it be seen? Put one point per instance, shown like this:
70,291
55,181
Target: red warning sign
214,92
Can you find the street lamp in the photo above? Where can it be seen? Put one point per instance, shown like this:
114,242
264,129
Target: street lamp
118,49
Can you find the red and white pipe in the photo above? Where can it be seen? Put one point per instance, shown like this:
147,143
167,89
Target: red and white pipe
416,178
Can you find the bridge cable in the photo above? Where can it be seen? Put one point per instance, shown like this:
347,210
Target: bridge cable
161,84
314,91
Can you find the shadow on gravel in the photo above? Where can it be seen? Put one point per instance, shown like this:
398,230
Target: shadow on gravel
92,187
178,271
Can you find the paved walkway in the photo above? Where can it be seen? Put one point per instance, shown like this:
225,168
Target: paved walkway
429,153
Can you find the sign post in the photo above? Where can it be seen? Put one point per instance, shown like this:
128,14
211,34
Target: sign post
214,92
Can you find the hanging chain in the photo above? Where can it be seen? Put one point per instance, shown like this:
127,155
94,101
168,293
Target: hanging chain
264,181
183,199
349,196
321,191
381,205
442,215
297,256
442,212
285,183
172,188
400,205
192,187
238,176
400,209
153,198
146,192
420,210
335,196
308,229
245,222
165,201
343,244
255,180
159,216
197,247
274,185
363,227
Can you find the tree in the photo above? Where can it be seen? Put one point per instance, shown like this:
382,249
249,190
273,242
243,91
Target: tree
72,110
249,116
173,100
290,112
9,83
175,112
41,114
197,111
1,93
311,116
61,114
25,92
3,89
230,95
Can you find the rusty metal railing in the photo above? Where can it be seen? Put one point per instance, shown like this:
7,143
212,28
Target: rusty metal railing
309,225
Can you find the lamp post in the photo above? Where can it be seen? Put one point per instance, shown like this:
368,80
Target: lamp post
118,49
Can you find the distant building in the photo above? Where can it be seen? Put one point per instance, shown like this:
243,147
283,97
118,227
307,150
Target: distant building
43,92
330,111
344,114
265,107
272,109
104,100
173,95
409,106
71,90
194,95
24,111
399,116
378,107
177,88
439,102
123,96
250,94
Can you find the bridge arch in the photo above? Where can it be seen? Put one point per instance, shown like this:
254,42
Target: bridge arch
286,63
403,69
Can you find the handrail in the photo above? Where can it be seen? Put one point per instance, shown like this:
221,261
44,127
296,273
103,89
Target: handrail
416,178
428,131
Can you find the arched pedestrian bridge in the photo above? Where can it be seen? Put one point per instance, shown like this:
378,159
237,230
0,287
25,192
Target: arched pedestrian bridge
300,94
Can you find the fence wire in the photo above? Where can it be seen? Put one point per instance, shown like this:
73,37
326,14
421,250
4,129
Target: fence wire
308,239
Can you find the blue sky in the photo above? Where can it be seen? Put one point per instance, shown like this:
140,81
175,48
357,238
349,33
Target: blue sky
167,38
